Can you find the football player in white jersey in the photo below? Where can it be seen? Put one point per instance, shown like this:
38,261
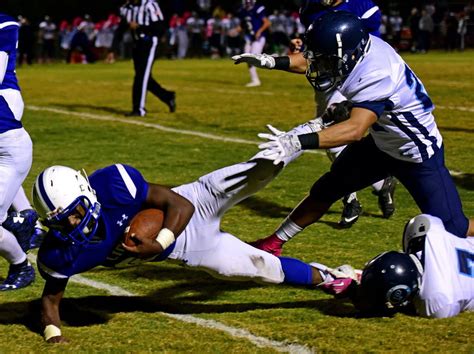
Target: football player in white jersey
390,102
371,17
15,162
435,274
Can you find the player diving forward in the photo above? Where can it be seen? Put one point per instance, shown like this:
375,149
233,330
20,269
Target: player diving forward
87,220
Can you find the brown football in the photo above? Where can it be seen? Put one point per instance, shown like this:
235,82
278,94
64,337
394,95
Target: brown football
147,223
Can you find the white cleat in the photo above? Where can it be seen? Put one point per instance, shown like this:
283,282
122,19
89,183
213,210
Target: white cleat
254,83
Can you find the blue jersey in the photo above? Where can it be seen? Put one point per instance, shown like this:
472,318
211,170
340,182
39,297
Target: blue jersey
11,103
364,9
252,21
121,190
8,44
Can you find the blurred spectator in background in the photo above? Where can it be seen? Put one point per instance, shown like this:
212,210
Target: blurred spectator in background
396,23
47,39
462,29
214,35
88,27
66,33
232,39
80,48
26,42
279,39
384,27
448,29
413,23
426,27
195,26
182,35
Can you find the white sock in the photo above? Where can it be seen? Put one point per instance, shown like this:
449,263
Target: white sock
287,230
21,202
9,247
253,73
377,186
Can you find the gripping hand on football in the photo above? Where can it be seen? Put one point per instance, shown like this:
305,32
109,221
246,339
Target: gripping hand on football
263,61
144,247
280,145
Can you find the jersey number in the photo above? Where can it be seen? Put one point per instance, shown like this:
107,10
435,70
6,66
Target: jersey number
420,91
466,262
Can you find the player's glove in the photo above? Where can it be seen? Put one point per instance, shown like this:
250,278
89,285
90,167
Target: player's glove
337,112
341,281
263,61
280,144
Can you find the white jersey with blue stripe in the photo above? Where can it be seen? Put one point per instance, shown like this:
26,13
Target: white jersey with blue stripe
447,287
383,83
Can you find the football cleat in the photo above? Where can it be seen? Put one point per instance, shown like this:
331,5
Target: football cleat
19,276
22,225
38,236
253,83
385,195
350,214
172,103
271,244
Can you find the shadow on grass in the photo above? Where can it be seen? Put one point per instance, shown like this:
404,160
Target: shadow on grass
78,107
93,310
464,180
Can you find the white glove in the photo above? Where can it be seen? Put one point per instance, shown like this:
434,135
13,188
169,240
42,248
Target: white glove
280,144
345,271
263,61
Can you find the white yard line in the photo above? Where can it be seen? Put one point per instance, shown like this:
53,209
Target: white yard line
92,116
260,342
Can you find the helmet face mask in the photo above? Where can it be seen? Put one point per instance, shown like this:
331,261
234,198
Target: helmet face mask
322,71
67,204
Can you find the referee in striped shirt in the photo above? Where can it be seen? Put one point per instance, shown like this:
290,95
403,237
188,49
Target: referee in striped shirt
146,22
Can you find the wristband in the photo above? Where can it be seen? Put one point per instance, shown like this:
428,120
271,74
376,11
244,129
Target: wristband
309,141
51,331
282,63
165,238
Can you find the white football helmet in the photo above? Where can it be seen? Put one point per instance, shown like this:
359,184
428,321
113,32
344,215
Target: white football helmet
415,233
60,192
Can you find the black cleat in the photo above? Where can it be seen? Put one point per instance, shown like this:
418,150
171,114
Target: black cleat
172,103
134,114
385,195
350,214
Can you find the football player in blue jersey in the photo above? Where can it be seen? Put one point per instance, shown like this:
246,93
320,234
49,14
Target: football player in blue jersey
371,18
87,218
390,102
15,162
254,23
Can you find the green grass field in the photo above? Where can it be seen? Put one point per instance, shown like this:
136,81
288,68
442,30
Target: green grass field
74,114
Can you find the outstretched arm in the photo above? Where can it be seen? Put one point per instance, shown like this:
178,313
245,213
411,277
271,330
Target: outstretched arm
50,299
294,63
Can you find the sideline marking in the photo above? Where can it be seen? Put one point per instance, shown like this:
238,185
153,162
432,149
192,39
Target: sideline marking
260,342
91,116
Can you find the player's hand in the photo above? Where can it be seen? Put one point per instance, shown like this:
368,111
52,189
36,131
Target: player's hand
337,112
144,247
280,144
345,271
340,287
295,45
58,339
263,61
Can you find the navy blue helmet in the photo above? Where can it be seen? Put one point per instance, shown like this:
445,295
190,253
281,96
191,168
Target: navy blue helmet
389,282
335,43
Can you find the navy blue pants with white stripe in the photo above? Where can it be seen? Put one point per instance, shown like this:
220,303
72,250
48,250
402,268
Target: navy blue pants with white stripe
362,163
144,51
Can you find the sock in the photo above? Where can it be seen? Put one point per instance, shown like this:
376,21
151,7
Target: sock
253,73
9,247
21,202
349,198
377,186
20,265
287,230
296,272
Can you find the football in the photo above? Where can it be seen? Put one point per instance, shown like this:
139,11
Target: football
146,223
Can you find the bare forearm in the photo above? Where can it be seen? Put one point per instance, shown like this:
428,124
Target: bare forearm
297,63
